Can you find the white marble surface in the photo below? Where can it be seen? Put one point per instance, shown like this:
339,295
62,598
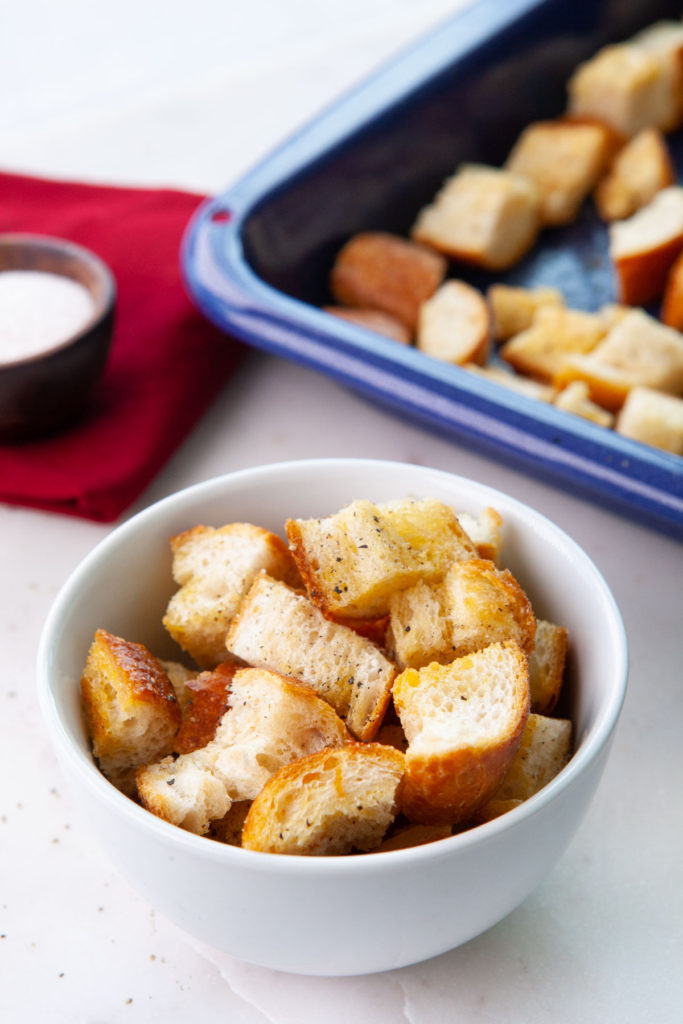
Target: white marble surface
191,95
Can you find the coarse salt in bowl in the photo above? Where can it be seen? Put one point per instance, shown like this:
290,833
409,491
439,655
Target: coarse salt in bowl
340,915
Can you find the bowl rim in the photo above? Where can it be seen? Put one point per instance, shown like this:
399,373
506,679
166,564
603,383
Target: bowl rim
592,744
103,305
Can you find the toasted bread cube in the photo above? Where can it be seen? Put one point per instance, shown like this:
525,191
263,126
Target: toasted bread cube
270,721
464,723
485,605
418,628
647,350
228,829
575,398
210,693
554,334
564,160
482,215
654,418
332,802
546,665
627,87
413,835
640,170
545,749
130,707
373,320
664,40
214,569
383,271
284,631
351,562
180,676
514,308
485,532
494,808
644,247
672,303
607,386
455,325
515,382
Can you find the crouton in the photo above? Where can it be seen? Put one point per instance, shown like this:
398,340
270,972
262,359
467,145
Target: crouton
419,631
270,721
554,334
130,707
281,630
513,309
664,40
627,87
464,724
545,749
640,170
351,562
482,215
373,320
607,386
646,350
208,703
494,808
385,272
413,835
564,160
514,382
654,418
644,247
546,666
575,398
214,568
485,532
228,829
455,325
672,303
331,802
179,676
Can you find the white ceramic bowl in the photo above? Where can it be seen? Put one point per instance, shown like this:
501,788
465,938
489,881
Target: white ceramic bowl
337,915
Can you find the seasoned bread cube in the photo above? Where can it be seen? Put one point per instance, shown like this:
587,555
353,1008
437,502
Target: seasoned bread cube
485,532
413,835
482,215
130,707
270,721
575,398
455,325
554,334
228,829
664,40
494,808
672,303
654,418
419,630
351,562
464,724
214,569
564,160
331,802
627,87
640,170
180,677
644,247
383,271
646,350
546,665
545,749
208,703
514,382
373,320
606,385
513,308
284,631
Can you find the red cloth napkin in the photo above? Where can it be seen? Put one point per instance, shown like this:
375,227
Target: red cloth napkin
166,363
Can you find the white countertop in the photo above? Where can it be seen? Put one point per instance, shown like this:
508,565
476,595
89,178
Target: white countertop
190,96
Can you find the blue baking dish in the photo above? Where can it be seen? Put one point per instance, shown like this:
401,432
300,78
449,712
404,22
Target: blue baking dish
256,259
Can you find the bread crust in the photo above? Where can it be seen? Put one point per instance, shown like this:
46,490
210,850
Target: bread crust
373,320
209,702
455,325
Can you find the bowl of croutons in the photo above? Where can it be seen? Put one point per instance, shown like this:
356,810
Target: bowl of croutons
334,716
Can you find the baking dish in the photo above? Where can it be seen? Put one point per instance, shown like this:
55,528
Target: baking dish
256,259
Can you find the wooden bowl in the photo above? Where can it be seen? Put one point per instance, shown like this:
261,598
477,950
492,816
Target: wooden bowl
42,393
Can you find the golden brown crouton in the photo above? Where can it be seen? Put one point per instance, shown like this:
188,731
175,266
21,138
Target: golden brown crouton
383,271
214,568
208,703
373,320
644,247
513,308
332,802
482,215
564,160
455,325
514,382
640,170
554,334
654,418
575,398
285,632
464,723
546,665
672,303
485,531
413,835
544,751
130,707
